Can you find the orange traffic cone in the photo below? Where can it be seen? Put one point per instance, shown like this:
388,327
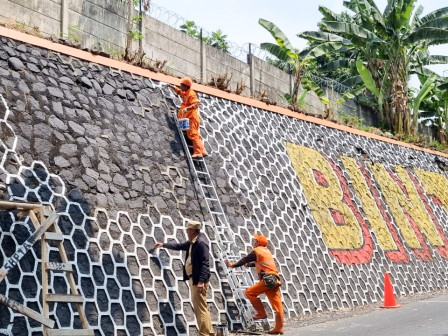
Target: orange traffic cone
389,298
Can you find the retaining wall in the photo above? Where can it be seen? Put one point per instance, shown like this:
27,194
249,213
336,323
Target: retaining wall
95,139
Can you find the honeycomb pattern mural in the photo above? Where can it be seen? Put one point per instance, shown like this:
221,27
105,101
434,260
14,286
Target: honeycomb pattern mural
100,146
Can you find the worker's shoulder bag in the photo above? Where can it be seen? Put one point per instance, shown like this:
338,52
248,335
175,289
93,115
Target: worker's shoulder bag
270,280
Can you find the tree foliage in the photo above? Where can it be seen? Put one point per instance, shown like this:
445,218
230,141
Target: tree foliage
134,34
386,48
217,40
293,61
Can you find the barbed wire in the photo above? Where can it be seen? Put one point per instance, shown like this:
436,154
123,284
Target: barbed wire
329,83
234,49
238,51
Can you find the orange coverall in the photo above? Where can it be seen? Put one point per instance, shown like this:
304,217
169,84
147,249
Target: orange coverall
189,98
265,264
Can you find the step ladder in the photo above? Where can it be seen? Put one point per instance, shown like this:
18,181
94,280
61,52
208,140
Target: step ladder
239,279
44,221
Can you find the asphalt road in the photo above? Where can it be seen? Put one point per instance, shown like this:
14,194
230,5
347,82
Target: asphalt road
424,315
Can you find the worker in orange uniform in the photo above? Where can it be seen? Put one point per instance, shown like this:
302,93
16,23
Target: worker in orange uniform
189,109
269,283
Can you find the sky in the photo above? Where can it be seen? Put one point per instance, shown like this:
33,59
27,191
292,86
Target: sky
238,19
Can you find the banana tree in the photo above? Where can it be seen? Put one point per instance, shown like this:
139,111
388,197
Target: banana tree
428,83
392,45
435,109
298,62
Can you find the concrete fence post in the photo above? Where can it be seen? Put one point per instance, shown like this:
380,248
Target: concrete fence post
64,18
250,61
140,28
203,61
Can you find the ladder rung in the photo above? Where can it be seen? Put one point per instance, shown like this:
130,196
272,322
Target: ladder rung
212,199
243,287
216,213
61,267
206,185
54,236
70,332
201,172
64,298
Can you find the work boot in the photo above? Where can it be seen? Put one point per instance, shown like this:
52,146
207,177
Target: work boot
196,156
278,329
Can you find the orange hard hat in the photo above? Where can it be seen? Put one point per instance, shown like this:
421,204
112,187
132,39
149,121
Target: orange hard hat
187,81
262,240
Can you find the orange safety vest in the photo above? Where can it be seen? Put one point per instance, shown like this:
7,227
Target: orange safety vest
265,261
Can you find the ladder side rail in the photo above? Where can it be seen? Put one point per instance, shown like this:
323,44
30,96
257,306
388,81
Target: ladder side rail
44,261
14,305
190,160
73,288
245,310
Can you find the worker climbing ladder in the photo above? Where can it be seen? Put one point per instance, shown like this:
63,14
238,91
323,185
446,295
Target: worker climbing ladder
240,279
44,221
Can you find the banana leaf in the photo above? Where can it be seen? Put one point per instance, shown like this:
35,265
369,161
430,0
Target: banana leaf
329,14
367,78
406,12
438,59
323,49
351,29
426,88
416,19
439,13
333,65
430,36
309,84
350,94
437,23
322,36
277,34
276,51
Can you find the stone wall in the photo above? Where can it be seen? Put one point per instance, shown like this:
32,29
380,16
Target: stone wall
99,145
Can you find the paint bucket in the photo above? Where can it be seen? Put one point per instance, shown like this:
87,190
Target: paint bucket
184,124
221,330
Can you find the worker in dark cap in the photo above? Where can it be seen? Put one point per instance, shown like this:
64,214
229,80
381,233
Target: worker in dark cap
196,272
269,284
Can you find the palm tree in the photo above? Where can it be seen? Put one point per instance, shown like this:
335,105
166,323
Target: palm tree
387,48
296,61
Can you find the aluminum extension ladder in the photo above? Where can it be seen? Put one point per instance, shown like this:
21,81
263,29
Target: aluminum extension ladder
239,279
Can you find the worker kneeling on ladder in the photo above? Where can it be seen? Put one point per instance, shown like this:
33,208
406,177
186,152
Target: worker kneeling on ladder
189,109
269,283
